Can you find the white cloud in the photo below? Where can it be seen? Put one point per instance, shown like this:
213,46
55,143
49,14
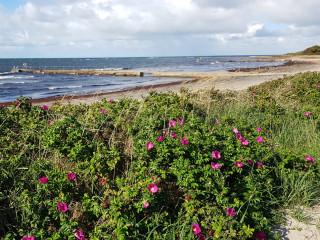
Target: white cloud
151,26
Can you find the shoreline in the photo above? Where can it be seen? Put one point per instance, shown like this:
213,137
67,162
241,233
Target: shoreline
237,79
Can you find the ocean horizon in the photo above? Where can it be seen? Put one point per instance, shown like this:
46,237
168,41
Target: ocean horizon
14,85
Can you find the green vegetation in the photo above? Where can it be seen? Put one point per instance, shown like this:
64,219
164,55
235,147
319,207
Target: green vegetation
314,50
213,165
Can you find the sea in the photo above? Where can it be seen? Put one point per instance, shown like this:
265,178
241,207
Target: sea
35,85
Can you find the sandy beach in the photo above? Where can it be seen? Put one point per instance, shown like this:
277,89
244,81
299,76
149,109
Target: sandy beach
238,79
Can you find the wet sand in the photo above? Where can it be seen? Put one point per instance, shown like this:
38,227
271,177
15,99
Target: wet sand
238,79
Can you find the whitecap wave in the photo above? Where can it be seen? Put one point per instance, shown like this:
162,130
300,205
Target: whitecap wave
56,87
15,77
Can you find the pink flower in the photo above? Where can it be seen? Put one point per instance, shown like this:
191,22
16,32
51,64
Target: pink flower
45,107
146,204
239,137
235,130
184,141
62,207
201,236
218,121
43,180
103,111
79,234
244,142
50,123
260,236
260,164
196,229
215,165
216,155
310,159
18,103
111,100
149,146
258,129
71,176
30,237
153,188
293,108
173,135
259,139
181,122
306,166
307,113
318,86
172,123
231,212
238,164
165,133
160,138
249,161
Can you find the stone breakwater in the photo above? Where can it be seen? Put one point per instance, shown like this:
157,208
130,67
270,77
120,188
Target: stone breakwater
82,72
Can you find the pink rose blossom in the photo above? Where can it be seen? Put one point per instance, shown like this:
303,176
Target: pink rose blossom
216,154
146,204
244,142
249,161
215,165
153,188
201,236
259,139
111,100
62,207
50,123
103,111
173,135
160,138
184,141
307,113
258,129
43,180
260,164
149,146
218,121
18,103
235,130
239,137
30,237
294,108
238,164
310,159
71,176
306,166
231,212
260,236
79,234
45,107
196,229
181,122
172,123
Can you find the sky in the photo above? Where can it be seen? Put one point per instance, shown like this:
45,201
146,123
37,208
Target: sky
137,28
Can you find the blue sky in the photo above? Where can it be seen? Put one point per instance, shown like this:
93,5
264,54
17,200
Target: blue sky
119,28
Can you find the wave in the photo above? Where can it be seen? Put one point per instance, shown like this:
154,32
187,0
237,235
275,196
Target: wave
56,87
15,77
2,83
